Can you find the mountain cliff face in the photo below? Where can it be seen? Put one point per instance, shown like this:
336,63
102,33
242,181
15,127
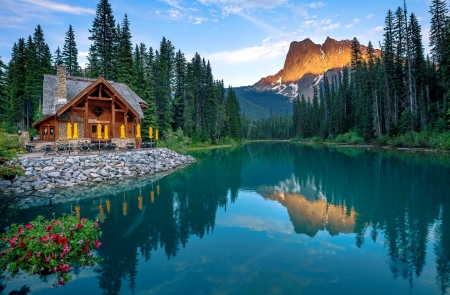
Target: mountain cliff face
305,66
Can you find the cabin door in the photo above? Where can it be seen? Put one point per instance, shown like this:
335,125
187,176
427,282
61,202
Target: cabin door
48,132
94,131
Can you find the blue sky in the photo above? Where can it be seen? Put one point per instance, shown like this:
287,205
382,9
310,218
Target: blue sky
244,39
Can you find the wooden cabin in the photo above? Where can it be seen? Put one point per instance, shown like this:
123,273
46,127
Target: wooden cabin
87,102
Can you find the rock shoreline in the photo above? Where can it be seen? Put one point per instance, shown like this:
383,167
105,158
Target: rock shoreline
43,175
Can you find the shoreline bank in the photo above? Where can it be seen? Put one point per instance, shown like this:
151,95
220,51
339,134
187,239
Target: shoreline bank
43,175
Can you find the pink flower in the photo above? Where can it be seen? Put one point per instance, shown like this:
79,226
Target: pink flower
29,226
96,224
13,240
97,244
80,241
38,254
83,219
21,231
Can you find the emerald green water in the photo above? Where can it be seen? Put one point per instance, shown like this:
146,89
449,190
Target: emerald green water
272,218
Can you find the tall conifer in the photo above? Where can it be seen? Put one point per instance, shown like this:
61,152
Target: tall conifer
70,54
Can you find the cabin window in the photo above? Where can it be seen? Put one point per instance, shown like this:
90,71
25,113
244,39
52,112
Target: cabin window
97,111
94,128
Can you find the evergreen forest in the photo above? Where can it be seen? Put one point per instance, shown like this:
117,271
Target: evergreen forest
182,95
395,95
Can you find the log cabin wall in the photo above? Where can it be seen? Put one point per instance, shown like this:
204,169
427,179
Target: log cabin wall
97,105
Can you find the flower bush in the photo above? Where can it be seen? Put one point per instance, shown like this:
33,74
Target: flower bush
6,171
49,247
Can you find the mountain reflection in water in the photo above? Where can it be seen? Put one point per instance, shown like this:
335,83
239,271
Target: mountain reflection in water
398,200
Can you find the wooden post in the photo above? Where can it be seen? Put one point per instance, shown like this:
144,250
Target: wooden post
71,115
56,128
126,122
113,119
86,125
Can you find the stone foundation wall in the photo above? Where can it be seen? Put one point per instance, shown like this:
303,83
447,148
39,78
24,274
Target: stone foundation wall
62,130
122,142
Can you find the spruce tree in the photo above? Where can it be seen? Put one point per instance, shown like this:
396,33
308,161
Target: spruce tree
70,54
102,53
3,91
439,21
179,92
33,82
210,107
124,57
57,59
16,84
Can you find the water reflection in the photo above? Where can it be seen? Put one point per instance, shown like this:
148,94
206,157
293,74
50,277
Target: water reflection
365,194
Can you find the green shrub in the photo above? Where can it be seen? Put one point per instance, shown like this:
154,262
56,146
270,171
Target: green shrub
349,138
174,140
9,141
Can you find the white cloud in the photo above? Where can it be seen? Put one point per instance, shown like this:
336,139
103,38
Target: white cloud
374,30
46,4
315,26
271,47
175,14
199,20
236,6
83,53
355,21
316,4
370,16
173,3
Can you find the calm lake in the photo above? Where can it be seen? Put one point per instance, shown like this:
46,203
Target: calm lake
271,218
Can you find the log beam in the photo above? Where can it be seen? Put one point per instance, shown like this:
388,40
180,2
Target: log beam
100,98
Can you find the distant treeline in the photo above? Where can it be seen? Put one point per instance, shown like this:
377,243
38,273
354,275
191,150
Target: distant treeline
180,94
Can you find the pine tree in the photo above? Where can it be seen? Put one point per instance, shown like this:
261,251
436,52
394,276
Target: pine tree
3,91
125,56
180,91
233,115
33,82
70,54
439,21
210,107
16,84
57,59
102,53
164,69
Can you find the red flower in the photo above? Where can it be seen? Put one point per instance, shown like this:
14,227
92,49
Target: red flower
22,244
29,226
28,255
97,244
49,228
80,225
88,242
62,241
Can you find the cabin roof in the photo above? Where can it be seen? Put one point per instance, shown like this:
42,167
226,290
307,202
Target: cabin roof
75,85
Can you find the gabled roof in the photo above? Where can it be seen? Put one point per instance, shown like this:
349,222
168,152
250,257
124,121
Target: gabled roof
41,120
76,85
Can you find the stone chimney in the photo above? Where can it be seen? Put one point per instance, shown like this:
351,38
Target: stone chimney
61,91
